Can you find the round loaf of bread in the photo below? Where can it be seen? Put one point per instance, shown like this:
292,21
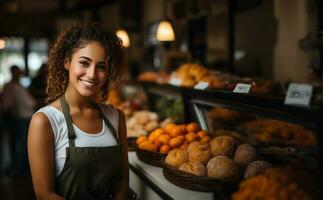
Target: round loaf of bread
222,146
176,157
245,154
222,167
194,168
256,167
199,156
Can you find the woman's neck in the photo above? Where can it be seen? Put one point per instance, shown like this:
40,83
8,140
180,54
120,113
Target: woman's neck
76,101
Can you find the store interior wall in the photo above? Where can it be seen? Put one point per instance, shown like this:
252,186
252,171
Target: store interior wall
290,62
255,31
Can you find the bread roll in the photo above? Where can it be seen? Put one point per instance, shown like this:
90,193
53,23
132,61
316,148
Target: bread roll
176,157
245,154
222,146
256,167
194,168
221,167
199,156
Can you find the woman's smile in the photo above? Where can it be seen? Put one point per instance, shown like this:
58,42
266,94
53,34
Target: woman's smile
87,84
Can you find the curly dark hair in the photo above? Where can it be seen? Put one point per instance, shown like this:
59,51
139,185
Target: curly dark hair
72,39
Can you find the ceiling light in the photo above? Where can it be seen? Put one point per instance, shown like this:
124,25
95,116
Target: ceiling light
2,43
165,31
123,35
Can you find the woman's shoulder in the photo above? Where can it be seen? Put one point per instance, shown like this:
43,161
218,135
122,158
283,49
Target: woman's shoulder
40,119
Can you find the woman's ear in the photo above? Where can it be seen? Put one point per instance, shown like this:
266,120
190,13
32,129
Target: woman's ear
66,64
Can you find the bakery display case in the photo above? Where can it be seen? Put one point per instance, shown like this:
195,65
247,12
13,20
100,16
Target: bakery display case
283,138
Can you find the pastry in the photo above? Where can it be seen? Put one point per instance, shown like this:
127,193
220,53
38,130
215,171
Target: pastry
256,167
194,168
222,146
222,167
199,155
245,154
176,157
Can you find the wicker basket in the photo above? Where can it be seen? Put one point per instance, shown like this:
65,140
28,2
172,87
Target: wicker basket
197,183
151,158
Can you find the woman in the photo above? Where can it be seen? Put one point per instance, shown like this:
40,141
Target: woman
78,148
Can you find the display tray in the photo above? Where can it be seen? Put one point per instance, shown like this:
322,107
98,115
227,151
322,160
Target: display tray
151,158
198,183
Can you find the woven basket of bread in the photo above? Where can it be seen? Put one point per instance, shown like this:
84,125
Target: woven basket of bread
197,183
151,158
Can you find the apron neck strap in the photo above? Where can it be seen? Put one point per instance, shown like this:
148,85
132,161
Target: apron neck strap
107,122
68,119
69,122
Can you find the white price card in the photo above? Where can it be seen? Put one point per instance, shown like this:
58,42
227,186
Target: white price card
175,81
298,94
242,88
201,85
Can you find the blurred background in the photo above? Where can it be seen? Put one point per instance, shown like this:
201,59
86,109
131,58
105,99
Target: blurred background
276,40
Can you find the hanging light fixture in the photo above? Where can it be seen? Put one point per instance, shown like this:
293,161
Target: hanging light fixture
2,43
123,35
165,31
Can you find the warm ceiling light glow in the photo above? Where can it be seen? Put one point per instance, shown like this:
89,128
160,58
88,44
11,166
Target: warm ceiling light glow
2,43
124,37
165,31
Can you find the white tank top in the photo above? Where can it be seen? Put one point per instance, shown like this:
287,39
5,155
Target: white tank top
83,139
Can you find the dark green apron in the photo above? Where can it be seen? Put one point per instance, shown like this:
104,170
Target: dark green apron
89,172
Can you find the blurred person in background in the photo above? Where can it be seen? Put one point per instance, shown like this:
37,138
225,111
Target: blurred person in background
77,145
37,87
18,107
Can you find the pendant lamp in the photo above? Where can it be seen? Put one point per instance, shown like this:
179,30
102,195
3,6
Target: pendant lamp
123,35
165,31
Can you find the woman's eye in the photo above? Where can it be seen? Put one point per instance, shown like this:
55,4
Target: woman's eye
83,63
102,67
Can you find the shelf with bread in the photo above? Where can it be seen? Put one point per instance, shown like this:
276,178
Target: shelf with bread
284,136
191,74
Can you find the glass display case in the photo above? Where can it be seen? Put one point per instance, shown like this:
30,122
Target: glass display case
284,135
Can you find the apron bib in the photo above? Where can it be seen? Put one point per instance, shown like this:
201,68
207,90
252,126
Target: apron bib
89,173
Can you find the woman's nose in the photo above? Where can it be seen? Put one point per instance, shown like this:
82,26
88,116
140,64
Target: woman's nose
91,72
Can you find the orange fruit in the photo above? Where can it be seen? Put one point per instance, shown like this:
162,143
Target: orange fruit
183,127
176,131
169,127
175,142
205,139
148,146
155,134
158,143
141,139
164,149
190,137
164,138
202,133
192,127
159,131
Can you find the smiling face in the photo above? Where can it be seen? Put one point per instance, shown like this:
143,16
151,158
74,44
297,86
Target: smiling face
87,69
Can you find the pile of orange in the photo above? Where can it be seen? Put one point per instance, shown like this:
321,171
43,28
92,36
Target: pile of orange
172,136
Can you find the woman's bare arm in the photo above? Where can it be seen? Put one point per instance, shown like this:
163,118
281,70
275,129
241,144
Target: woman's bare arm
122,190
41,157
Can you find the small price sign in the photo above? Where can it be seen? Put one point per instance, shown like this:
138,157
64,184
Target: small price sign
242,88
175,81
299,94
201,85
